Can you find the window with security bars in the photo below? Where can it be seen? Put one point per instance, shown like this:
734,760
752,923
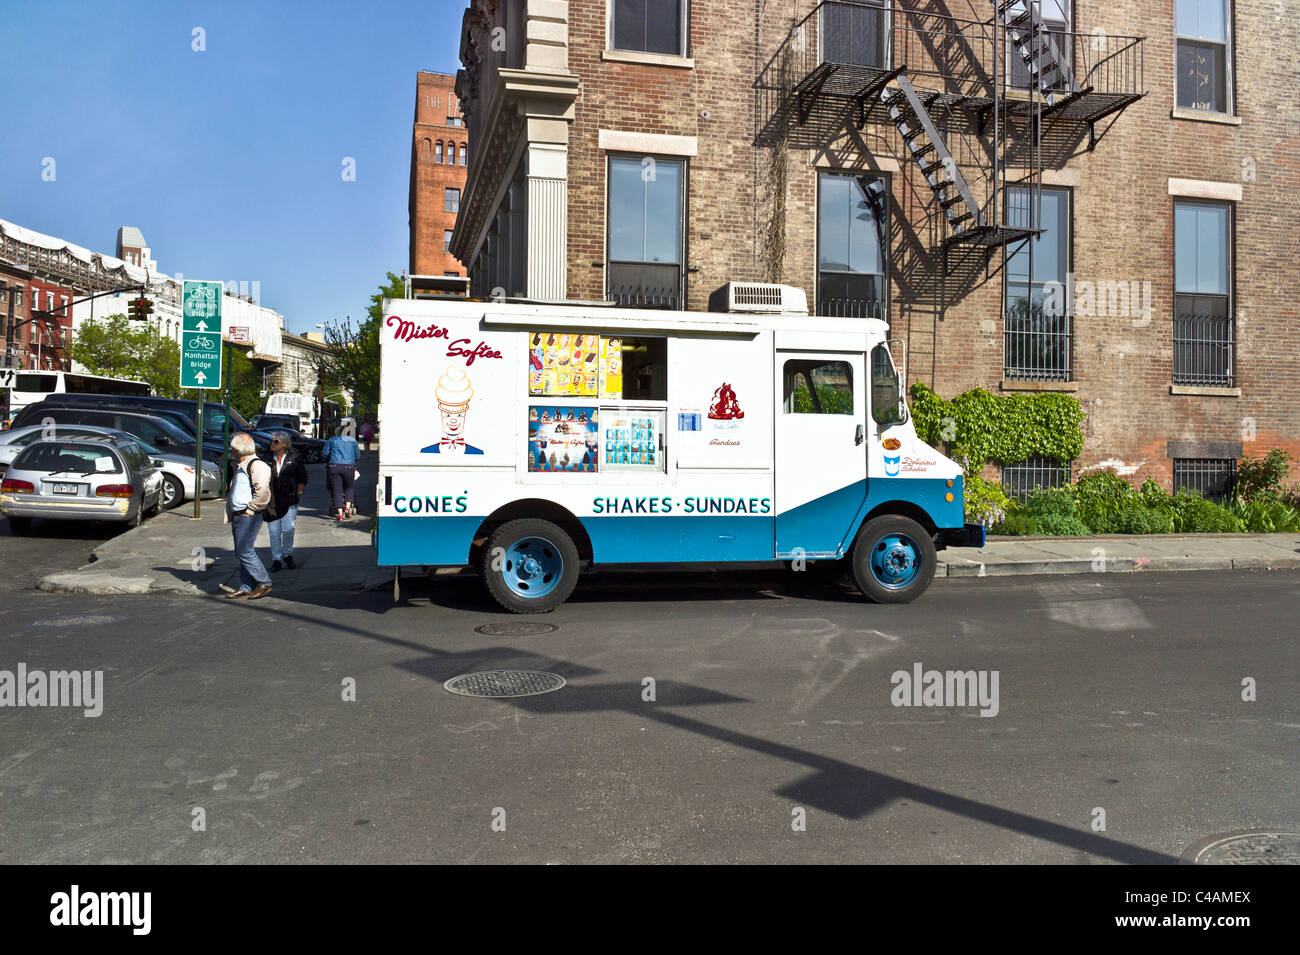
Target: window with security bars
852,245
1203,328
644,267
1038,329
1214,478
1037,473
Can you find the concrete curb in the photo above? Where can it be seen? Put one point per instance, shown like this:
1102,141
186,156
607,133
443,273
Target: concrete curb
1113,565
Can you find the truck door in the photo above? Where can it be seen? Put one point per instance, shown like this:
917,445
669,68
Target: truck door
821,450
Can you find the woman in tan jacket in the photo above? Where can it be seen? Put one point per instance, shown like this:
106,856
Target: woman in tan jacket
250,492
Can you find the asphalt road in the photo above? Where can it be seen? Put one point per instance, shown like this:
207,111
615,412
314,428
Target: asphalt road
50,547
1116,693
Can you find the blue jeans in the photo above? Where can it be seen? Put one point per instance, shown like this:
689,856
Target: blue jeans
281,532
252,573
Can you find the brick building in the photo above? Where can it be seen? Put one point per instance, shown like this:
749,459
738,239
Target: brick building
42,317
439,160
1084,196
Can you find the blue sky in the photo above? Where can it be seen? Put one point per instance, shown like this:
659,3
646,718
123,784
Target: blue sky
229,160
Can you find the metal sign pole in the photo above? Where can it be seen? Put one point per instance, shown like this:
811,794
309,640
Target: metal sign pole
198,460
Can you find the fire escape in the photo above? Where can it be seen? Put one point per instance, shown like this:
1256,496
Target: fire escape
974,106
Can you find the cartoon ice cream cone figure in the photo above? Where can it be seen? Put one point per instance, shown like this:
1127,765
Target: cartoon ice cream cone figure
453,393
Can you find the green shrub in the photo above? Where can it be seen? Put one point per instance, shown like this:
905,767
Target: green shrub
1140,519
1199,516
1099,497
1262,474
1050,503
1014,525
986,503
1061,526
1266,513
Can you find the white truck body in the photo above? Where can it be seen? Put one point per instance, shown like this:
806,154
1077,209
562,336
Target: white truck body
650,436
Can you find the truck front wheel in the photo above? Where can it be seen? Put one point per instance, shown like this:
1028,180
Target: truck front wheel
530,566
893,559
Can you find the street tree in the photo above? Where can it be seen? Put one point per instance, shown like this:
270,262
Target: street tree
351,360
119,348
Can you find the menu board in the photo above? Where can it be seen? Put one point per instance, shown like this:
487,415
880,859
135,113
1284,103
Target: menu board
631,439
563,439
563,363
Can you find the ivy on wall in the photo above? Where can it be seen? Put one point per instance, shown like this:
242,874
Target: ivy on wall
976,427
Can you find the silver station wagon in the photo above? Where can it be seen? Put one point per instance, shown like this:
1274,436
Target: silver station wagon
81,479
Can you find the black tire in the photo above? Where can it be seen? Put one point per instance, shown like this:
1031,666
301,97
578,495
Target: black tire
553,546
312,454
139,514
20,526
904,549
173,493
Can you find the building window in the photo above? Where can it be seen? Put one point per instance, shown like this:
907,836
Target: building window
1037,324
650,26
855,33
1202,50
1213,478
645,231
1203,332
446,240
451,200
1037,473
852,245
437,151
36,299
463,154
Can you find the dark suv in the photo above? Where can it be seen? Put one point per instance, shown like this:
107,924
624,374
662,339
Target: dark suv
161,432
214,412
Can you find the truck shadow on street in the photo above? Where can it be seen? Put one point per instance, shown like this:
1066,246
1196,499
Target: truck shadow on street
831,785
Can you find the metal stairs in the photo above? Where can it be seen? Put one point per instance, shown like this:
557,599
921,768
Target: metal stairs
1048,65
911,117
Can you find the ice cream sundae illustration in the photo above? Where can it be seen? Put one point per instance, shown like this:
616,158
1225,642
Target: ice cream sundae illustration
724,406
891,448
453,392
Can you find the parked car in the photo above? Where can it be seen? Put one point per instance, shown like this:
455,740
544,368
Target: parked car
162,433
177,469
214,412
97,478
311,449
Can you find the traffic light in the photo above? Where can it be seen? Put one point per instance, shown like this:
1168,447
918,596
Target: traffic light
139,309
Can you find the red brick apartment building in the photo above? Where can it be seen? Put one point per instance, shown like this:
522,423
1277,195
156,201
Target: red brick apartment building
439,161
42,316
1085,196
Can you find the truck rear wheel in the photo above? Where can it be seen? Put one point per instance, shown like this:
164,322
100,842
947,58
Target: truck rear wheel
530,566
893,559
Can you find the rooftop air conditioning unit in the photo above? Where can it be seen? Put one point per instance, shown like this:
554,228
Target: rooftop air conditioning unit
759,298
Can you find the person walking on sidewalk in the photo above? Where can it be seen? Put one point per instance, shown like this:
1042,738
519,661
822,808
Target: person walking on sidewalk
288,481
250,493
367,435
341,453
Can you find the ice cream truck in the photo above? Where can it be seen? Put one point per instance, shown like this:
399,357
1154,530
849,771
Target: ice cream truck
532,442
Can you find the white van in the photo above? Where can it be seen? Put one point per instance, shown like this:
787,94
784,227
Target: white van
283,402
532,441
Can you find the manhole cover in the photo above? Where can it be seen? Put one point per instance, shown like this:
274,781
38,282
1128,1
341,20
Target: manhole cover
86,620
1257,847
516,629
502,684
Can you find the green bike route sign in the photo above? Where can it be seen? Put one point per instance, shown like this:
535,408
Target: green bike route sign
201,335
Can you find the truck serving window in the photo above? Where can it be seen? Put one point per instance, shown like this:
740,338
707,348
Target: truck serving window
817,387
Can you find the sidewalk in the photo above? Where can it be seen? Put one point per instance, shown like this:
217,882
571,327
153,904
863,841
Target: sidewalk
159,556
1003,556
175,554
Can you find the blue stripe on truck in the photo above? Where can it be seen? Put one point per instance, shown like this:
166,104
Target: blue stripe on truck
822,526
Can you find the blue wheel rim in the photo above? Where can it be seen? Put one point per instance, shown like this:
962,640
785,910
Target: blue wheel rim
895,561
532,567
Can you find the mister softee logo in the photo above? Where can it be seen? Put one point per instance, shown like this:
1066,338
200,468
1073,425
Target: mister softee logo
407,331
